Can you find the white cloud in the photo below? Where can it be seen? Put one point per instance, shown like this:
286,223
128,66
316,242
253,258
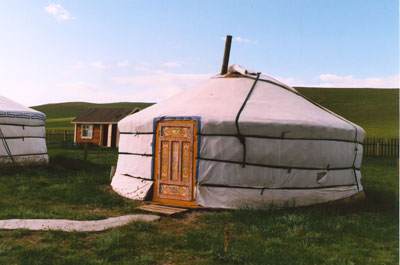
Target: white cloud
123,63
87,92
333,80
75,68
172,64
143,69
78,66
349,81
58,12
241,40
99,65
290,81
161,85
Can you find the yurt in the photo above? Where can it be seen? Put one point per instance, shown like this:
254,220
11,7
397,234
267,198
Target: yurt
22,134
238,139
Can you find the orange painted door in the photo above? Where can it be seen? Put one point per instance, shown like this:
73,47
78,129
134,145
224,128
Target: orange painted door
174,162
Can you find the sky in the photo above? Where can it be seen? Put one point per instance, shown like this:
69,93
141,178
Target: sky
146,51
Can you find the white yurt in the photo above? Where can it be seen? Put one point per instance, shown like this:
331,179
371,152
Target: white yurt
22,134
238,139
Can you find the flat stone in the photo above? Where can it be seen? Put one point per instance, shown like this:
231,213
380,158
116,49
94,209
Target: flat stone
72,225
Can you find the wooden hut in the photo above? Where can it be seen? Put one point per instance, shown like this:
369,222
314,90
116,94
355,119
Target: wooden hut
99,125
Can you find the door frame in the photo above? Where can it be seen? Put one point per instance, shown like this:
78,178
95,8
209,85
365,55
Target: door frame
196,143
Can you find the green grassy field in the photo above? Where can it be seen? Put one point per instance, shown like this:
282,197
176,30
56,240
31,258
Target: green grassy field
364,232
73,109
60,123
376,110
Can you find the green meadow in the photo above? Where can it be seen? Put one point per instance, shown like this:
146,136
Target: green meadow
376,110
73,109
60,123
362,232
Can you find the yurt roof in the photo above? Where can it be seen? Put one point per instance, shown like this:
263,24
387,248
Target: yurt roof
10,105
12,109
217,101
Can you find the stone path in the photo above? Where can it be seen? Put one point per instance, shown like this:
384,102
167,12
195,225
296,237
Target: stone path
70,225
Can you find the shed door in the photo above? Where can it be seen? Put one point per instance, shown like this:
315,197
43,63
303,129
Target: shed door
174,162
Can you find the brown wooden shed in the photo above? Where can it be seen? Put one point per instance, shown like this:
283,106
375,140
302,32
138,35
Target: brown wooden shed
100,125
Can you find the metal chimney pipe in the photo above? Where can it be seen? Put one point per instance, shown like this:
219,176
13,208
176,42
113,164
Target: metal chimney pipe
227,52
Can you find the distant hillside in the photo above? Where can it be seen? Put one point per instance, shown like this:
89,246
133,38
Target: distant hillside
376,110
73,109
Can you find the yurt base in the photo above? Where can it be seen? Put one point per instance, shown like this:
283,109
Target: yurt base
192,205
348,200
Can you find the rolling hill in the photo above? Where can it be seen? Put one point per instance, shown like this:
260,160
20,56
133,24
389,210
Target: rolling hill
376,110
73,109
60,115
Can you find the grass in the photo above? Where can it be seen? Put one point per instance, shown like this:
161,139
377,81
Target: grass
67,188
376,110
73,109
365,232
60,123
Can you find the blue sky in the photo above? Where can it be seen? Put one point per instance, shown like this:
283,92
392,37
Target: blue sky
109,51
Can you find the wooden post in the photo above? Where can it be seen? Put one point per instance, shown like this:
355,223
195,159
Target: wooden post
117,140
374,147
109,135
85,152
377,148
101,135
112,172
225,62
75,133
391,147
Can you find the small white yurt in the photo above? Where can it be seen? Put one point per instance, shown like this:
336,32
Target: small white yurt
238,139
22,134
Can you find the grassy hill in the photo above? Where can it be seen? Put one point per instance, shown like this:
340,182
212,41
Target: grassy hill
73,109
376,110
60,115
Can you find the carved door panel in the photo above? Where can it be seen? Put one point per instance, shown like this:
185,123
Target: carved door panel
174,162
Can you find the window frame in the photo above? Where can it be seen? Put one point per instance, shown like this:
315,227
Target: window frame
89,131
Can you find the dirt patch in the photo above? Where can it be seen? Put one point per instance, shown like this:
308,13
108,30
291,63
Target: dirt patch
180,223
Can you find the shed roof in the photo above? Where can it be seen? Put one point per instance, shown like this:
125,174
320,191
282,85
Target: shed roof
104,115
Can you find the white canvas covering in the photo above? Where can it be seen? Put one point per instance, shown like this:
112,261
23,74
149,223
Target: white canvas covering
22,134
290,140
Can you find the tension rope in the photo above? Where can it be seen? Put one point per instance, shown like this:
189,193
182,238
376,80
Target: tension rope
239,135
6,146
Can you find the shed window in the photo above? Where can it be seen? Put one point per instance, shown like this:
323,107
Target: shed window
87,131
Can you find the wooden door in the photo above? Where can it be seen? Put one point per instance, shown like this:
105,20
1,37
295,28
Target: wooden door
174,174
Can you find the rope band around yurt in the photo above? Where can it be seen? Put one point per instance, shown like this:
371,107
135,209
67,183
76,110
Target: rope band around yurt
253,136
6,146
269,188
239,135
328,168
332,113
